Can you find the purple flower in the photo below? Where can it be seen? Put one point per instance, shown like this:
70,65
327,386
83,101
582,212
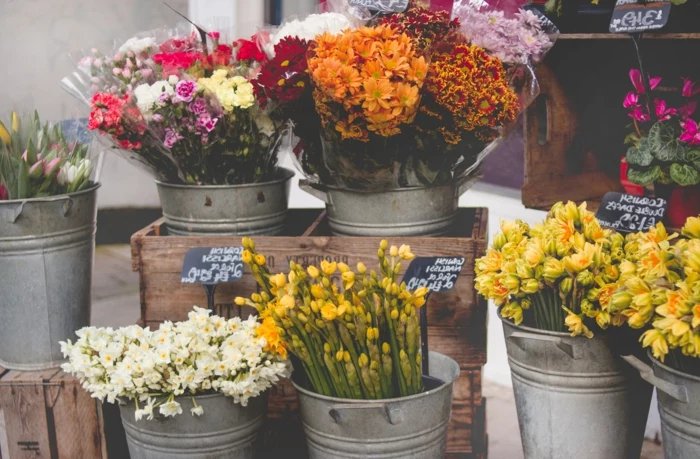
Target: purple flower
157,117
185,90
171,138
163,98
207,122
199,106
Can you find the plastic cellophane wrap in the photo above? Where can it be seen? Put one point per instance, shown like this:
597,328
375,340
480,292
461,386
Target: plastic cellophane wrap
416,98
180,103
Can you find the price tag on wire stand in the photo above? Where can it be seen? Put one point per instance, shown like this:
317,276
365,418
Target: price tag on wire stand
438,274
637,16
383,6
626,213
210,266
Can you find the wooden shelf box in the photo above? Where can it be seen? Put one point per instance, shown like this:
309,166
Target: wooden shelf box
457,319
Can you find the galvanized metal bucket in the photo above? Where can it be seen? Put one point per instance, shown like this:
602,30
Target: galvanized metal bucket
47,247
414,211
679,406
226,430
412,427
574,396
228,210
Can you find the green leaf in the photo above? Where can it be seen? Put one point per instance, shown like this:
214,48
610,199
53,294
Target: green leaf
644,176
632,139
693,157
31,152
23,185
664,143
638,156
685,175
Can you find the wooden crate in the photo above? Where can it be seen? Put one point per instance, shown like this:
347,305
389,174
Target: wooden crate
48,415
575,129
457,319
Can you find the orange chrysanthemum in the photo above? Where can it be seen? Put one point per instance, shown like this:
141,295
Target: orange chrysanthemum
366,81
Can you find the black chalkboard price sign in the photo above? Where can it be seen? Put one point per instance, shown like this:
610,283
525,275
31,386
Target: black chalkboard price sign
636,16
626,213
439,274
210,266
383,6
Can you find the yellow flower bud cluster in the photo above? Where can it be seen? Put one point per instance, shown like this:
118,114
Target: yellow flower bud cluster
360,340
558,274
660,285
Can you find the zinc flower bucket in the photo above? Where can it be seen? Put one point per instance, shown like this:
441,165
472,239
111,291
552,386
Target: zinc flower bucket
225,430
46,255
412,211
413,427
574,396
250,209
679,407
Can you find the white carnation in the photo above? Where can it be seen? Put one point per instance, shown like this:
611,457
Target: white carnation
137,45
308,29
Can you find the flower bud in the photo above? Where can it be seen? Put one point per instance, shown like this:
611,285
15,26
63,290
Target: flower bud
585,278
394,251
383,244
394,314
553,269
361,268
566,285
512,282
326,348
620,300
530,286
313,272
386,349
240,301
593,294
260,259
339,356
499,241
346,356
246,256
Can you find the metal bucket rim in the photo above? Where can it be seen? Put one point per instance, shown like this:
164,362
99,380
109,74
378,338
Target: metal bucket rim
325,188
285,176
673,371
547,332
354,401
125,401
58,197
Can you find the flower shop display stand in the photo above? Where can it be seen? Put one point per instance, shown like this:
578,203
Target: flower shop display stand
49,416
575,129
457,319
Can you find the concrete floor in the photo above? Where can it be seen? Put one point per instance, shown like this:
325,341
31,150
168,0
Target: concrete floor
116,303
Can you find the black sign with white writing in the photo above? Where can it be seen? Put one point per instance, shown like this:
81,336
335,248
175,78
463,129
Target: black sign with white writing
383,6
626,213
635,16
212,265
439,274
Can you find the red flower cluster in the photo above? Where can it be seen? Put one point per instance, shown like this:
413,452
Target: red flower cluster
173,62
221,56
111,114
248,50
285,77
423,25
4,194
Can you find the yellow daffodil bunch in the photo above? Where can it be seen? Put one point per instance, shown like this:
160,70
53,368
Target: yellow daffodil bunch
661,285
360,340
555,275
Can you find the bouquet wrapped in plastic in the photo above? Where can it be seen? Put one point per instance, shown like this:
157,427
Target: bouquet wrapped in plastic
39,160
183,106
414,98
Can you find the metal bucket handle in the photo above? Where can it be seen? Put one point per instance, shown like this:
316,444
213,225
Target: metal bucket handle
393,414
11,214
315,192
647,373
567,348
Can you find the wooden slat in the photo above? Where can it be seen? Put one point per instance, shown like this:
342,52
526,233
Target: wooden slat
582,187
79,432
26,423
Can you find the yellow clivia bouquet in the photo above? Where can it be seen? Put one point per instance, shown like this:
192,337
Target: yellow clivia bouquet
555,275
358,342
660,284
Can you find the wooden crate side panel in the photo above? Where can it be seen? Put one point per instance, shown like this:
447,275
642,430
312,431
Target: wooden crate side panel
23,404
79,430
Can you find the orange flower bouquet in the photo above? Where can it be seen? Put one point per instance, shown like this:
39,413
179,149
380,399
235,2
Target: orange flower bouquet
411,101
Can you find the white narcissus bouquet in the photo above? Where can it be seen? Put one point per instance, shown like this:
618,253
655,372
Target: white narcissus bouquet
204,354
